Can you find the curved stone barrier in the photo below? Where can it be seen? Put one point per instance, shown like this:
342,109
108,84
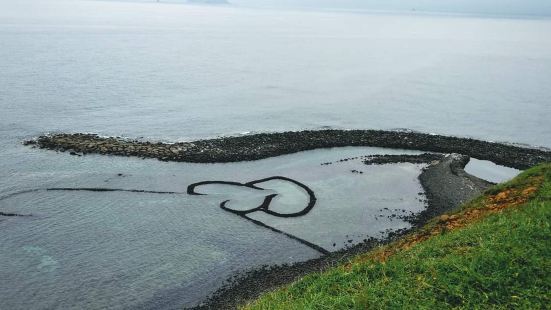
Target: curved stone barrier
265,206
258,146
191,190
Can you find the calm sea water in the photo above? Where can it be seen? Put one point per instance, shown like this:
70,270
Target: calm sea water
178,72
130,250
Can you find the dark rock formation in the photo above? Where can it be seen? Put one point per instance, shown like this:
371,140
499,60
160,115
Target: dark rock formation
265,145
447,186
425,158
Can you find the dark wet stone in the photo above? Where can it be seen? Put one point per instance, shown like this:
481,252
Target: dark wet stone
243,148
12,214
447,186
393,159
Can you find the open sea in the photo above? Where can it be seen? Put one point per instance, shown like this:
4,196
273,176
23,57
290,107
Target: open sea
175,72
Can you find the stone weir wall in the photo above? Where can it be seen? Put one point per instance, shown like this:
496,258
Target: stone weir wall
258,146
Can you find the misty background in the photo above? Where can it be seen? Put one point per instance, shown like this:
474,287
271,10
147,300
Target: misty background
173,71
493,7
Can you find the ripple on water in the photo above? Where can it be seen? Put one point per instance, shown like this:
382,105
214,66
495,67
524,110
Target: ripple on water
118,249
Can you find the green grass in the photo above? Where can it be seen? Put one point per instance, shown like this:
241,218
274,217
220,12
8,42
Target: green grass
502,260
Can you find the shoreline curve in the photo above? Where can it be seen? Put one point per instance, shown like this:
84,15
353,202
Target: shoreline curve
434,179
264,145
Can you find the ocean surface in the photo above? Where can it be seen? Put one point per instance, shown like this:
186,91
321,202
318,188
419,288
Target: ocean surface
174,72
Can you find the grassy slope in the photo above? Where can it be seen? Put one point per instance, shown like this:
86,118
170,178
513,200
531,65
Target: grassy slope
494,253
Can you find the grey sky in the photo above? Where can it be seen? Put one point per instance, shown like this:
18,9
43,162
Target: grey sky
501,7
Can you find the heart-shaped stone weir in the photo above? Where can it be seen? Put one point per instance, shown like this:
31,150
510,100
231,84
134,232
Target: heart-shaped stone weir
268,204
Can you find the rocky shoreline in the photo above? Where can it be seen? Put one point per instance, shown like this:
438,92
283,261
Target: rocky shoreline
446,187
445,182
258,146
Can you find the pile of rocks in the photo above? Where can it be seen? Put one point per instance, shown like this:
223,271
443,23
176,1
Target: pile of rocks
80,144
258,146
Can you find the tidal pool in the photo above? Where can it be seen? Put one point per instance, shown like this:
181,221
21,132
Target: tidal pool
489,171
83,249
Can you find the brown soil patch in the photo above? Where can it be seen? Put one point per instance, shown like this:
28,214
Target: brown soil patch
506,198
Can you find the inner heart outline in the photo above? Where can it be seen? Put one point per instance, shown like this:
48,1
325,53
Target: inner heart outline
265,205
